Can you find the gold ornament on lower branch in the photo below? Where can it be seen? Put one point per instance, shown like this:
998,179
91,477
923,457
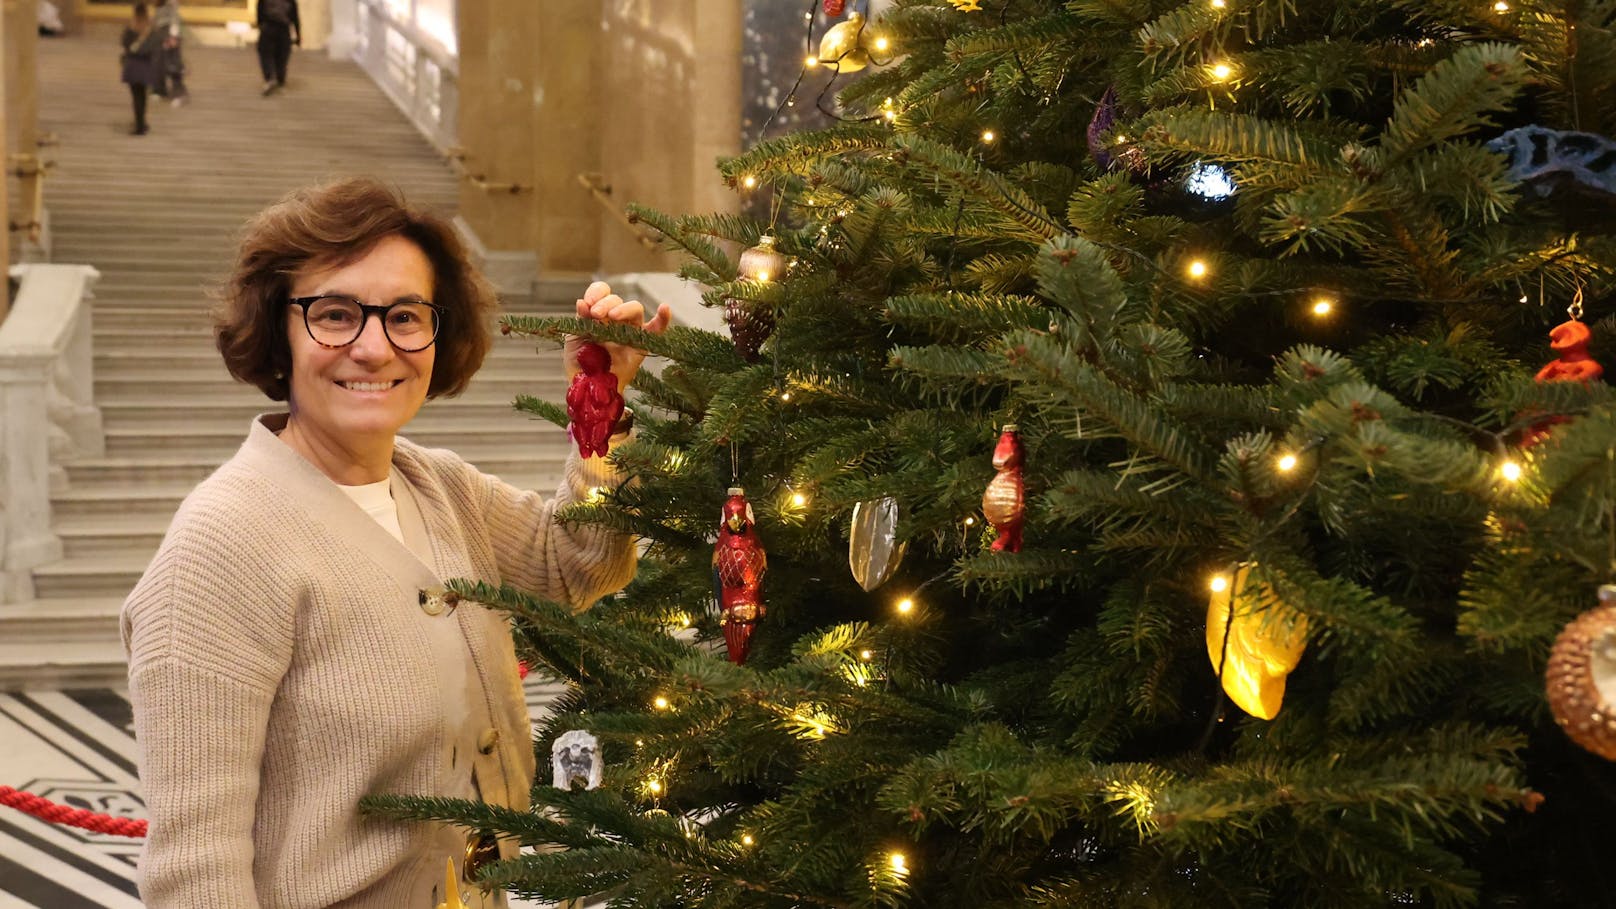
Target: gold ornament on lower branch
1254,641
1581,678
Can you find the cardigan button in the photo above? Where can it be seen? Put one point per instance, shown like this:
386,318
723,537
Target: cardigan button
487,741
432,600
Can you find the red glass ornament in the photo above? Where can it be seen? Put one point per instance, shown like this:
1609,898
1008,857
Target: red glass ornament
739,562
833,8
594,405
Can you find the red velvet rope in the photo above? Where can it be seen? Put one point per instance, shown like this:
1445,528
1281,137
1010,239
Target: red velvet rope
45,809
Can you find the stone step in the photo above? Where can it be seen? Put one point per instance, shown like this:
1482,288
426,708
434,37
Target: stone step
147,502
56,664
110,536
92,619
101,576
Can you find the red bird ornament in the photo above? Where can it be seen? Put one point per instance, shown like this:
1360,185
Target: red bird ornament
594,405
738,566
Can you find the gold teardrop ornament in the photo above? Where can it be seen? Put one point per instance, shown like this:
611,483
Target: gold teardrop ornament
1265,642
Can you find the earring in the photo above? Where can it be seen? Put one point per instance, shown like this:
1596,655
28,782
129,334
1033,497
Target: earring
279,374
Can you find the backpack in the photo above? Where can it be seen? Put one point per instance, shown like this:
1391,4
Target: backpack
276,11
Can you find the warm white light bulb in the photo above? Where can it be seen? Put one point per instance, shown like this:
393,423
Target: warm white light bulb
1219,4
970,522
654,784
798,499
1287,463
661,702
906,605
749,181
746,839
1323,306
1510,471
1500,7
866,655
1219,583
1222,72
987,135
898,862
1197,269
785,395
882,44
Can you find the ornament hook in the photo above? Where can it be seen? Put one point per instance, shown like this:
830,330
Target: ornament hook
1575,309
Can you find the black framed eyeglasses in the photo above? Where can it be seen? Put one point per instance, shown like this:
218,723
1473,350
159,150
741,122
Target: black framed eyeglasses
337,320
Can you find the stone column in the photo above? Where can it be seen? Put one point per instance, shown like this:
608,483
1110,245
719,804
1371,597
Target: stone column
22,130
5,208
344,29
527,126
671,107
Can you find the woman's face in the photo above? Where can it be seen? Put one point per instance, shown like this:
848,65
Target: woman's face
364,393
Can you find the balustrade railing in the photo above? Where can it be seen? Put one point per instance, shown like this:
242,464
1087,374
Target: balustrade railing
411,67
47,412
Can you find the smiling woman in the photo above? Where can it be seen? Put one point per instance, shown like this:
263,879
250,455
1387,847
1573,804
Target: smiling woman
291,648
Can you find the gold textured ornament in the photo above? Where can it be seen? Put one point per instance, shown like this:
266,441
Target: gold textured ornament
1581,678
966,6
873,550
762,262
1265,642
842,48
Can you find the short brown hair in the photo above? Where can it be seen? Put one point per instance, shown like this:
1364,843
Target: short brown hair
332,225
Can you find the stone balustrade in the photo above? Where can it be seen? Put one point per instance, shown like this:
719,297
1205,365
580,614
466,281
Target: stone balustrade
47,412
412,67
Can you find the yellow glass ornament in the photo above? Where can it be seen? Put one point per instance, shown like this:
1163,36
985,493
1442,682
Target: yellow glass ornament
843,45
451,890
1266,640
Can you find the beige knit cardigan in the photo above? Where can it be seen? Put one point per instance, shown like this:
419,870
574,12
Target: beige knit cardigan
279,669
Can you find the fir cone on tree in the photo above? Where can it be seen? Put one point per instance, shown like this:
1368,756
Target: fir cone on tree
749,326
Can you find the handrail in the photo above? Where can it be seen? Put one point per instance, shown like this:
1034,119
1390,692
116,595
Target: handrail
26,166
602,191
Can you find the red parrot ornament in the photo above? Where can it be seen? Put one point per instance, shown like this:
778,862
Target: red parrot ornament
738,566
1570,341
1003,503
594,405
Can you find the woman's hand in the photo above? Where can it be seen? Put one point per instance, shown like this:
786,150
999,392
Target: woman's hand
601,305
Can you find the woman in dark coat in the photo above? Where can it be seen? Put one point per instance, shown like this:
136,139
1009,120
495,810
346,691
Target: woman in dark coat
140,59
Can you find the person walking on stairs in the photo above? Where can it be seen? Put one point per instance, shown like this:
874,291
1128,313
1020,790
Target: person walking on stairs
140,42
278,29
171,63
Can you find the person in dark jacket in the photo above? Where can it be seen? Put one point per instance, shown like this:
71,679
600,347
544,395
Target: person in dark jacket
278,29
140,45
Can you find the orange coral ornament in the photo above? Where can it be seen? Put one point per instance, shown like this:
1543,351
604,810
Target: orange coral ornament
1570,340
1265,640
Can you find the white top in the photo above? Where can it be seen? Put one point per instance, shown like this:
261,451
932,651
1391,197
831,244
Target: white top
377,501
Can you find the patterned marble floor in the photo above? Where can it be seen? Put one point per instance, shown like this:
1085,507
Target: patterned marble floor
78,748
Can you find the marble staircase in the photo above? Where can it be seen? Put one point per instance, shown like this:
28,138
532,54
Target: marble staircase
158,215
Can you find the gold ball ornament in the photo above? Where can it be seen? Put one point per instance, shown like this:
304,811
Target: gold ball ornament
843,48
1265,642
762,262
1581,678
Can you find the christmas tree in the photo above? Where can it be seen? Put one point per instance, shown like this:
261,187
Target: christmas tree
1257,605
